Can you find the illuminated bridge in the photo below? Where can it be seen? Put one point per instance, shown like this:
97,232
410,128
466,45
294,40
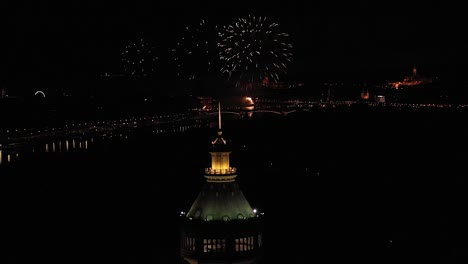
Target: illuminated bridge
282,112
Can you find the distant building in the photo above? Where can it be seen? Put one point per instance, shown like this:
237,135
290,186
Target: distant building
411,80
365,94
3,93
273,85
380,99
328,93
416,89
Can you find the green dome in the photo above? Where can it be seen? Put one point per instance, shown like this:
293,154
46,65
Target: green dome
220,201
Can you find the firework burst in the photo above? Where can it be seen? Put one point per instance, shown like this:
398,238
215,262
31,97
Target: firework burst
252,49
140,58
195,53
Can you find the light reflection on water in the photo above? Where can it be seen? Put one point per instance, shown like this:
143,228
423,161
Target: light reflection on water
9,152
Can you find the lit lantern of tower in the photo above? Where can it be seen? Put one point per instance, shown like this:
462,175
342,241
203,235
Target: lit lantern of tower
221,226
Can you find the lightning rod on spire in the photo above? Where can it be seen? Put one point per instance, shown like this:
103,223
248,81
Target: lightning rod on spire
219,115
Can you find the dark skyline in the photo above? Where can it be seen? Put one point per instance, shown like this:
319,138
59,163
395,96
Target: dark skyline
76,39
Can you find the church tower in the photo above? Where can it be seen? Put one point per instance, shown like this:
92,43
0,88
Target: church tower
221,226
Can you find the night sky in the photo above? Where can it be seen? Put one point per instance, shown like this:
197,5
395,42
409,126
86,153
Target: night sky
77,39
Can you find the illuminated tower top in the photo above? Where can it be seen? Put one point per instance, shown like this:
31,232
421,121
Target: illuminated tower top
220,170
221,198
221,226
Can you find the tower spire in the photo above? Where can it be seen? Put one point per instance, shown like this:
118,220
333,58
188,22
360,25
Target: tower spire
219,115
